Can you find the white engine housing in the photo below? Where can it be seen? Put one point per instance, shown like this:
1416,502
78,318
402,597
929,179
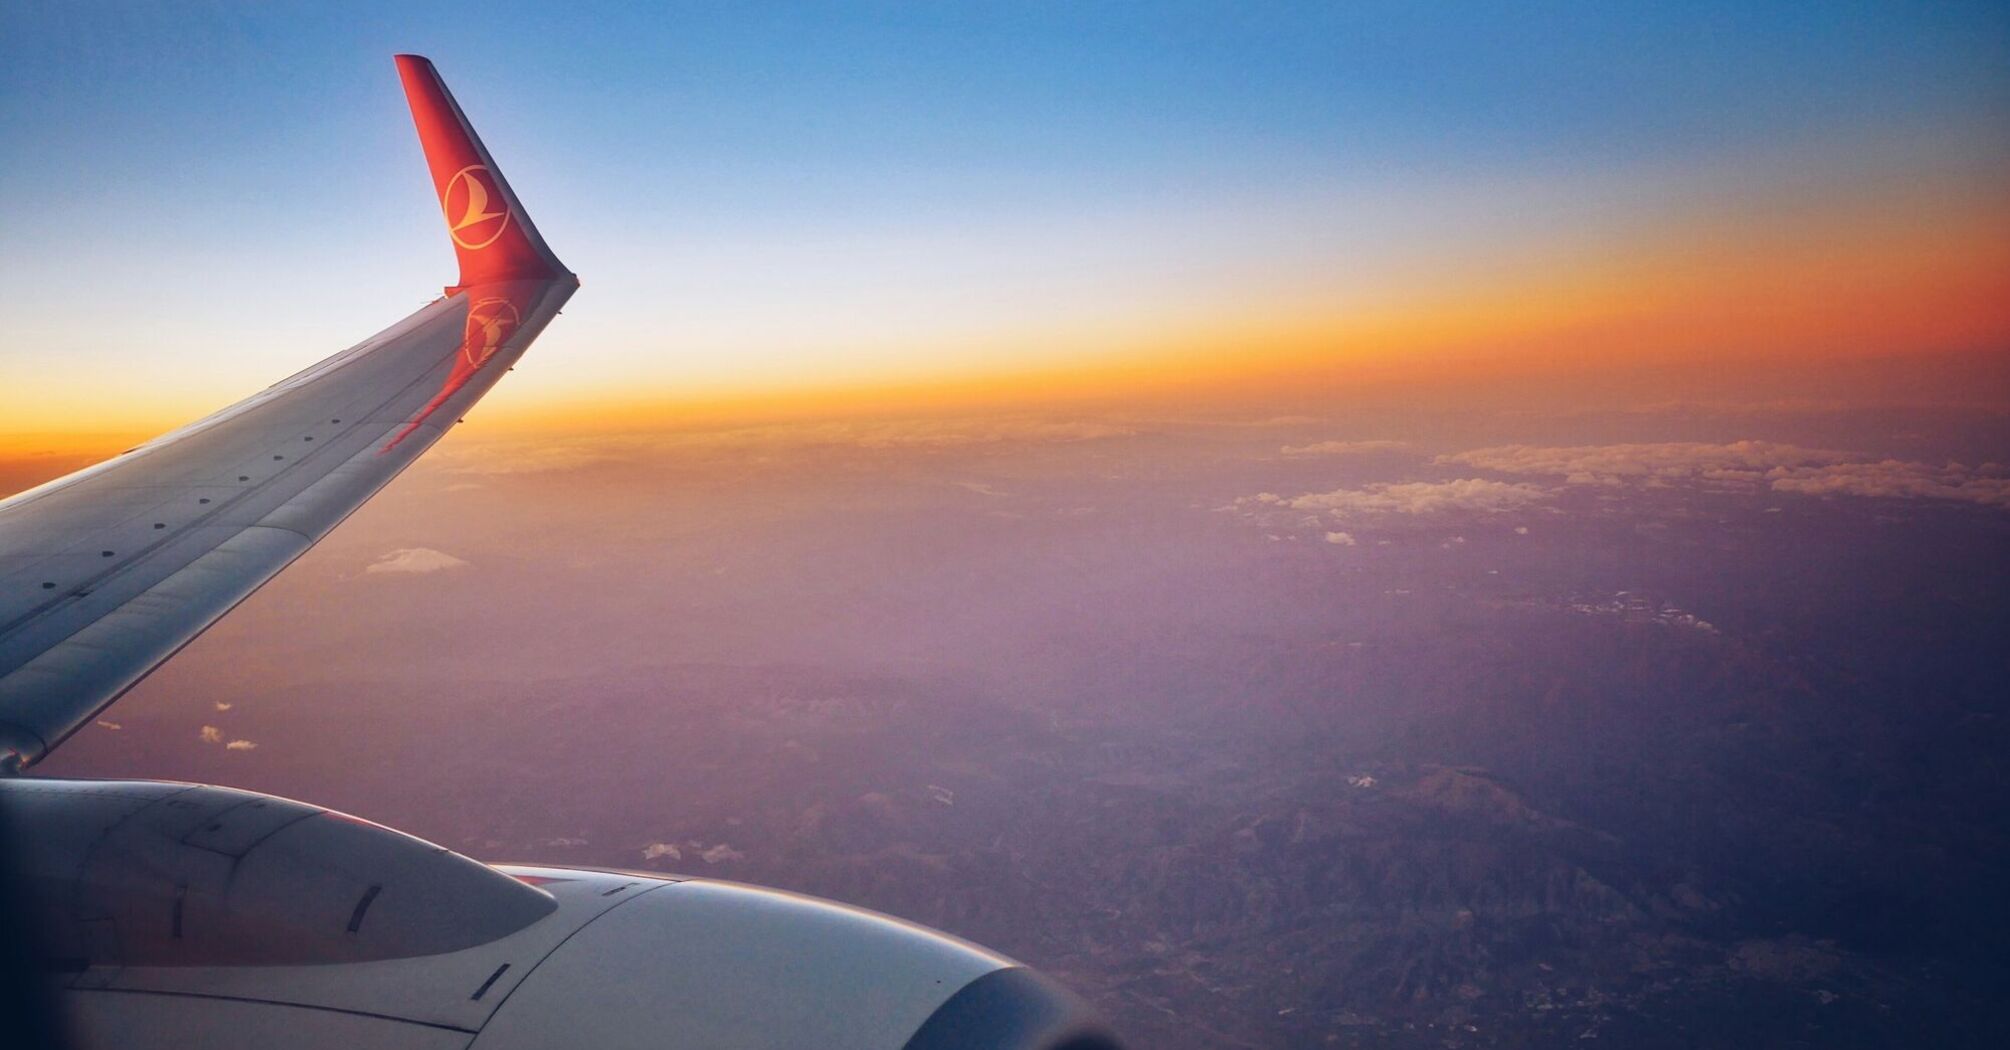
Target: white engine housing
189,915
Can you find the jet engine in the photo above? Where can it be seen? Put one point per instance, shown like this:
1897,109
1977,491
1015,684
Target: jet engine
191,915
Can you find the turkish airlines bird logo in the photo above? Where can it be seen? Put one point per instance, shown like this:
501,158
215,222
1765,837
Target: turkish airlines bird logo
477,212
490,321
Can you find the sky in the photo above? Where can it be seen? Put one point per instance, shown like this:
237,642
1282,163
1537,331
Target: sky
920,204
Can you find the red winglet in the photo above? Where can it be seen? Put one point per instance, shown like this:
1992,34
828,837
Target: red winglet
492,236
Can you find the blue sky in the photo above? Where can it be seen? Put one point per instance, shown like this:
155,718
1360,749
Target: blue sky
775,185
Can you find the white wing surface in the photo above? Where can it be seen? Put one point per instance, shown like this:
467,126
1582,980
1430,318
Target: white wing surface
106,573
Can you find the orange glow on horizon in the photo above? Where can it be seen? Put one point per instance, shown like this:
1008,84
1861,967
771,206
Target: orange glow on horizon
1889,287
1918,270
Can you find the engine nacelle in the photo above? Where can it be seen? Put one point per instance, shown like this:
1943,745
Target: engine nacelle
184,915
144,873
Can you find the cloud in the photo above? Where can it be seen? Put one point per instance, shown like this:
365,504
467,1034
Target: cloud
1753,464
720,854
1893,479
1776,406
211,735
109,724
1344,539
1212,420
1342,448
510,457
920,433
240,745
952,432
661,849
492,461
499,458
415,559
222,706
980,488
1414,499
1736,462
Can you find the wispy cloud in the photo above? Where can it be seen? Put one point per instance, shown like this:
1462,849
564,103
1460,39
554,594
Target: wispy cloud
1343,448
950,432
240,745
922,433
1775,406
520,458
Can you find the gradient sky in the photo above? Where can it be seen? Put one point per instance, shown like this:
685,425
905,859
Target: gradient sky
196,203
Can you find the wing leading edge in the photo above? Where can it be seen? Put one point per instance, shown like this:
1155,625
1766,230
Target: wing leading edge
107,572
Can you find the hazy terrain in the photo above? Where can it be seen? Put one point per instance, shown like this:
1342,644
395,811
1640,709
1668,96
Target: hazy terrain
1682,726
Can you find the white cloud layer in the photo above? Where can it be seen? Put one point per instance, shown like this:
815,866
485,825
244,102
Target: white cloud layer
415,559
1414,499
1758,464
1893,479
1745,461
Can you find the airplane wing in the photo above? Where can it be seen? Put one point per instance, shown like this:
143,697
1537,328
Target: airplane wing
106,573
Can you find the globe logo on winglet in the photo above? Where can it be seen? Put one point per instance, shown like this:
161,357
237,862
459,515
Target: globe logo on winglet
477,212
490,322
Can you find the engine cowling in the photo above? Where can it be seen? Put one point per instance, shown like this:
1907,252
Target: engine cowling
183,914
711,964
